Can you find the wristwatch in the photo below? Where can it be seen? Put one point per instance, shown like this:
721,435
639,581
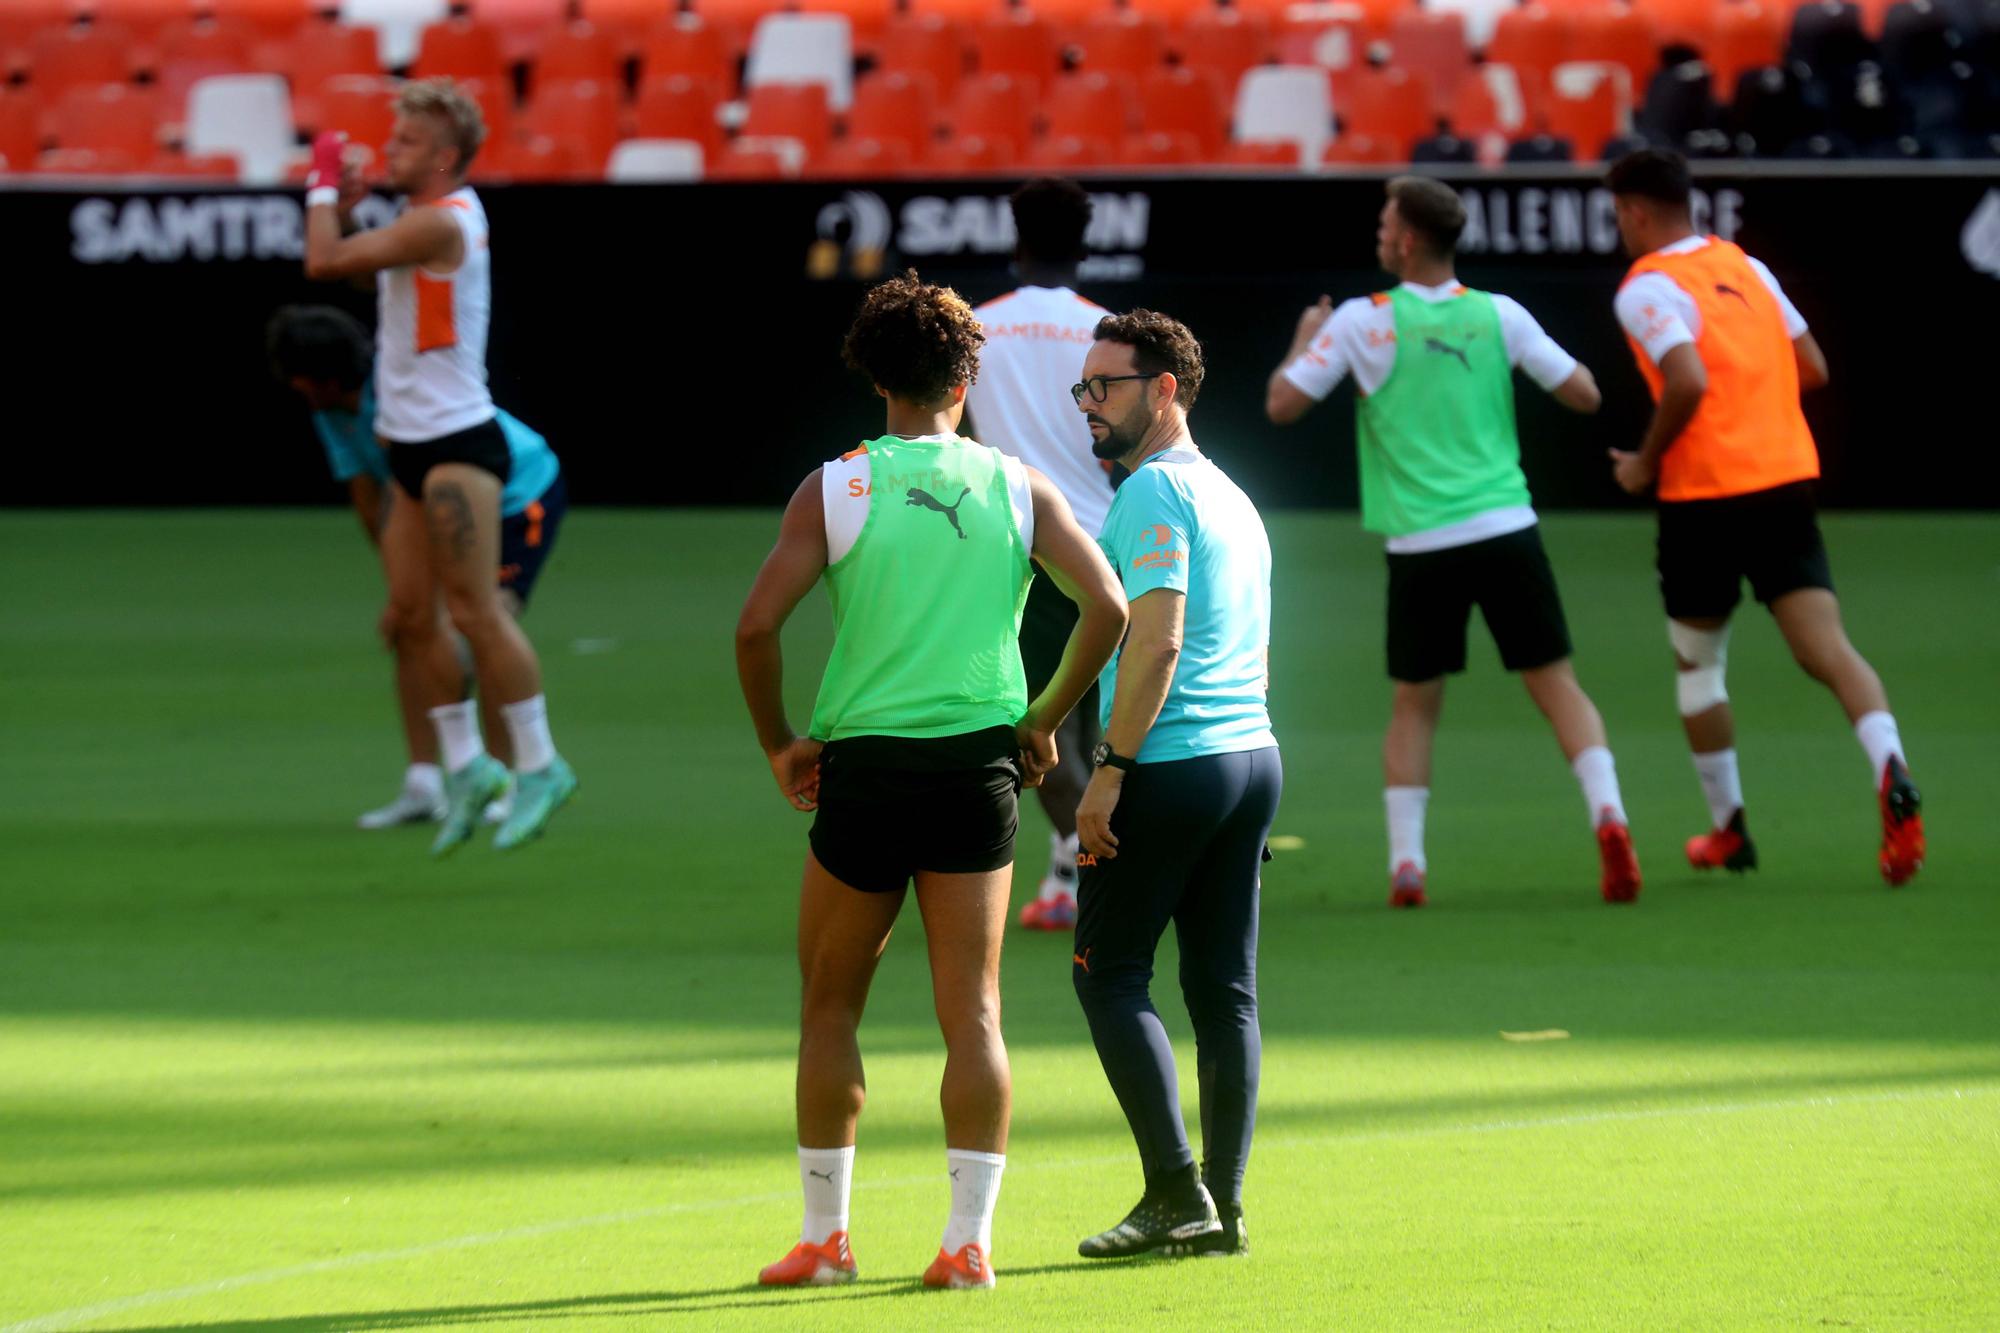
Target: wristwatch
1102,757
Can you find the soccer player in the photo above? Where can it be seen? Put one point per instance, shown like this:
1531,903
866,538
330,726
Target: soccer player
1174,821
446,448
1726,355
1441,479
326,357
1036,336
920,741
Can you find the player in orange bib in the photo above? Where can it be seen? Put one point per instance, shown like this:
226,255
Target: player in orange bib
1726,355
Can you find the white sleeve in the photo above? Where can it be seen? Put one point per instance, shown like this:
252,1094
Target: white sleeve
1318,370
1795,323
1540,357
843,497
1021,497
1649,310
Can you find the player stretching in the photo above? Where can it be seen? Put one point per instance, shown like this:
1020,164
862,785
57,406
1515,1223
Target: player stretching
1726,354
326,356
446,447
920,741
1036,337
1441,479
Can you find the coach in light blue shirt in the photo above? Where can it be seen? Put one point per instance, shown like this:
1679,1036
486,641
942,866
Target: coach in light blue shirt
1185,787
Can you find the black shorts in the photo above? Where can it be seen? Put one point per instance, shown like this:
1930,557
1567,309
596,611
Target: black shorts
1432,593
890,806
1708,547
527,538
1046,624
484,446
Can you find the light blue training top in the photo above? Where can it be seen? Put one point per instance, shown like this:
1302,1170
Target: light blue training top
352,451
1179,522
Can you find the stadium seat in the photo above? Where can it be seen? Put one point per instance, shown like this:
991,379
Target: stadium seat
460,49
496,106
1683,22
1533,39
1070,16
1431,43
1489,111
87,162
1539,148
361,106
960,11
1285,103
866,19
736,20
797,111
521,25
678,106
927,44
20,135
685,45
1826,37
1478,16
655,160
247,115
397,23
582,114
1445,149
1616,36
895,106
1164,148
20,20
1768,112
1185,101
630,20
1065,153
1020,45
1917,41
1335,38
1124,42
109,117
203,166
1268,154
758,160
974,154
205,38
864,157
1588,105
1091,105
1679,103
326,52
995,108
1171,12
270,18
535,157
142,18
1747,34
803,49
77,56
577,52
1393,106
1226,42
1364,150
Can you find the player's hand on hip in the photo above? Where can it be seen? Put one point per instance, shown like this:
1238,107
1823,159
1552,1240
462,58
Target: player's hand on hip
1093,813
1038,753
796,768
1632,472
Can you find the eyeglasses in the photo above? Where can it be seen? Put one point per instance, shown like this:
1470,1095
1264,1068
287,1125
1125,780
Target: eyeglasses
1097,386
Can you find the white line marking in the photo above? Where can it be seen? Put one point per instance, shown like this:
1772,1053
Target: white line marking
86,1314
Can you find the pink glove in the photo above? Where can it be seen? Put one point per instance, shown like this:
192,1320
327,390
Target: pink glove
327,151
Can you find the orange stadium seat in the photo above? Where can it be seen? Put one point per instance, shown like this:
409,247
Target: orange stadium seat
997,108
963,11
143,18
1019,44
111,117
790,111
752,161
580,114
210,39
1123,42
1687,22
521,24
1394,106
1432,43
76,56
1588,121
537,157
496,105
1534,39
1162,148
1185,101
362,106
20,136
87,162
679,106
1479,110
926,44
1747,35
271,18
578,51
1365,150
1336,41
969,154
1270,154
1091,105
196,166
685,45
893,105
866,19
736,20
459,48
1069,15
1070,152
1174,12
1617,36
1225,42
630,20
321,53
20,20
865,157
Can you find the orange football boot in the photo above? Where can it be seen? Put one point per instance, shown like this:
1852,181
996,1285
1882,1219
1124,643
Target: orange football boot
1406,888
1902,825
968,1268
1620,883
810,1265
1726,848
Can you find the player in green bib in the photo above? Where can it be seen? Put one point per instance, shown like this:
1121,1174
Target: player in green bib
921,739
1441,480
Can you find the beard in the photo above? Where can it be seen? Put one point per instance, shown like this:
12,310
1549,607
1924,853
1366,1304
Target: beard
1120,437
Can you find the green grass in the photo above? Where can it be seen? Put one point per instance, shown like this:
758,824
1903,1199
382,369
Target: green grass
311,1081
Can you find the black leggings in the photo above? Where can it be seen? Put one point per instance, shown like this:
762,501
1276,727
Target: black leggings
1191,846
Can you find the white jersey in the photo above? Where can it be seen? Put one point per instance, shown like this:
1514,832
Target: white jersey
1036,339
430,353
1659,316
846,482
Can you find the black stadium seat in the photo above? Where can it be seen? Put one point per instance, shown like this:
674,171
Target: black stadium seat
1680,102
1447,148
1540,148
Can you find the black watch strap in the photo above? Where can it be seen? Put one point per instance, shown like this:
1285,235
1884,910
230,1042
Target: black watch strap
1111,759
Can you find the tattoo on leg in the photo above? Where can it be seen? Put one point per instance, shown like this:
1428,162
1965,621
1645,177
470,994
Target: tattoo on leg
452,529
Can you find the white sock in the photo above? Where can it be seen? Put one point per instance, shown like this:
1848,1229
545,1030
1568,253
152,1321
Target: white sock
425,779
1720,783
975,1188
1061,878
458,734
1597,774
528,724
827,1174
1406,824
1878,736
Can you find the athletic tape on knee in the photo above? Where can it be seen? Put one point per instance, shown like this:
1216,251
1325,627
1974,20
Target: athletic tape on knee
1702,688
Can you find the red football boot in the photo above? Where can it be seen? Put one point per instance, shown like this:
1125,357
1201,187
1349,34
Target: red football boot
1902,825
1620,882
968,1268
1727,848
810,1265
1406,887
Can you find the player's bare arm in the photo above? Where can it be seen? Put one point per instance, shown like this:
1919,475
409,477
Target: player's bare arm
1684,381
370,506
1285,402
1579,393
1145,675
1080,570
1813,373
788,574
425,236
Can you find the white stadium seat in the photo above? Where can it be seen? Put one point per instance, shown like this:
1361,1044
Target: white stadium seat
1480,16
1288,103
248,115
804,48
656,160
398,24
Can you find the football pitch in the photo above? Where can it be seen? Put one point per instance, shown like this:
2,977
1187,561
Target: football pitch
260,1071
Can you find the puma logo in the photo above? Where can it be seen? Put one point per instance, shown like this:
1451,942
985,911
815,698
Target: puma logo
1724,289
926,500
1440,345
827,1176
954,1173
1082,960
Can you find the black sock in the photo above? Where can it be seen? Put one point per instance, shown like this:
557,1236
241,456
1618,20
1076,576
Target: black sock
1182,1185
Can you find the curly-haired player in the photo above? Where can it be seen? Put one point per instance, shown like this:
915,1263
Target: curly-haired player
920,742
